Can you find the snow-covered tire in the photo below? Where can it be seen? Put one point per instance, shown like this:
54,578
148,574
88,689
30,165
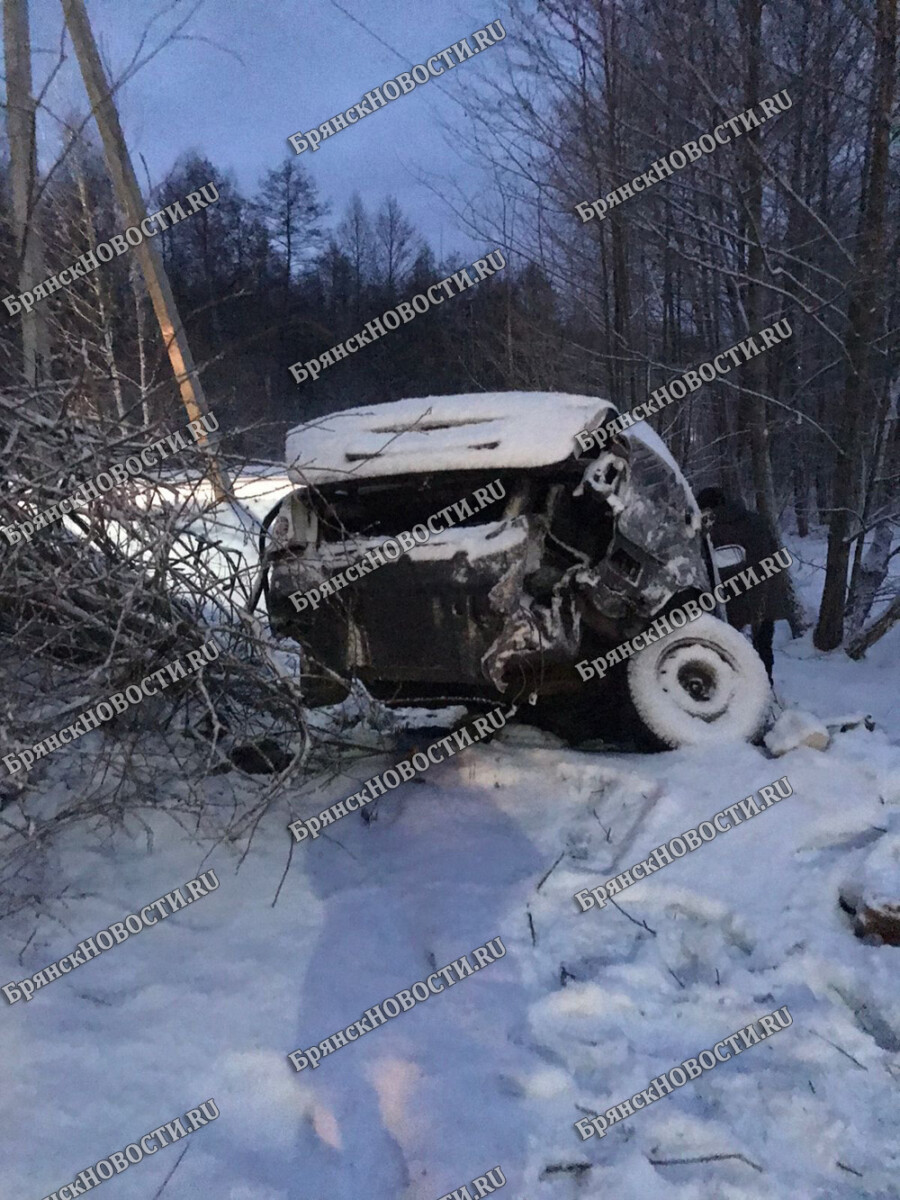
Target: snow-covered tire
700,685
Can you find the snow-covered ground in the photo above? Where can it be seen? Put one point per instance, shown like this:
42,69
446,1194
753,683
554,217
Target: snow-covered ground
582,1012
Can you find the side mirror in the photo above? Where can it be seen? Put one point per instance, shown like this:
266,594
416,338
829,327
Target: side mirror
729,556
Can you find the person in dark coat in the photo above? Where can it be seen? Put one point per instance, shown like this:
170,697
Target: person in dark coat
749,538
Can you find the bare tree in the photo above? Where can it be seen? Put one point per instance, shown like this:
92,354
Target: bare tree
864,309
20,128
354,237
129,195
395,240
289,206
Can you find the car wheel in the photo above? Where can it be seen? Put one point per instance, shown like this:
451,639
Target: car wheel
700,685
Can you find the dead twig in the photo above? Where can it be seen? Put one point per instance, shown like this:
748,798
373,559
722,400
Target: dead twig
643,924
157,1194
547,875
704,1158
844,1167
845,1053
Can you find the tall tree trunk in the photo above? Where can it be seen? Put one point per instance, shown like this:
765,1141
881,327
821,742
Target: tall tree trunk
20,109
870,571
754,372
885,422
863,313
104,316
871,575
143,383
621,368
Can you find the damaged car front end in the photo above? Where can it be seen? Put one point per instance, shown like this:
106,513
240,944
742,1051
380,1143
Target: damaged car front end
544,553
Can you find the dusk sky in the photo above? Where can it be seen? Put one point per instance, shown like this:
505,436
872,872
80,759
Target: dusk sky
257,71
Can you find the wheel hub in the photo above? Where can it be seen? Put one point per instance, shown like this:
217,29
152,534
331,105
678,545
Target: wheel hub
697,680
699,677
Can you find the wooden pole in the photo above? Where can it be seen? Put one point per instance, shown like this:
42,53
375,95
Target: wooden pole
125,182
20,122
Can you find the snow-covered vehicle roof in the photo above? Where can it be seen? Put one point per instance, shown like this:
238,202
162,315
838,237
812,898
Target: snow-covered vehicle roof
442,433
451,433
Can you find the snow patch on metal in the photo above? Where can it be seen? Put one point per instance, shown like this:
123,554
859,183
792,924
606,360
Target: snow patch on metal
442,433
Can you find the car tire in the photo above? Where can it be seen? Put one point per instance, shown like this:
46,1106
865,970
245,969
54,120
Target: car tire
700,685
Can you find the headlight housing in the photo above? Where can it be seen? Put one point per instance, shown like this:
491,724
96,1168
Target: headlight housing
296,525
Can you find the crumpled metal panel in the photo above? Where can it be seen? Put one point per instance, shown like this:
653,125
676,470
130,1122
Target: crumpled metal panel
657,547
533,633
619,537
534,637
